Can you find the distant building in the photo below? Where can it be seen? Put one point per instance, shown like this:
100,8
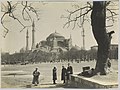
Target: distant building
22,50
94,48
55,42
4,57
113,51
75,48
112,47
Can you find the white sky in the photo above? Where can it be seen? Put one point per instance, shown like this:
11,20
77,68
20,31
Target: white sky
50,21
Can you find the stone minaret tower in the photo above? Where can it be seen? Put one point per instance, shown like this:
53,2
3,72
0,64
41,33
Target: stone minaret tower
70,42
33,36
27,43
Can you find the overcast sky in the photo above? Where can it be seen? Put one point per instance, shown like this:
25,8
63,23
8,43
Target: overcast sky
49,22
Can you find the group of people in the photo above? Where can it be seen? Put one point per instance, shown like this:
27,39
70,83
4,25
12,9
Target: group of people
65,74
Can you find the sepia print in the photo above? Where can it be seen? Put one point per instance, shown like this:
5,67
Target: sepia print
59,44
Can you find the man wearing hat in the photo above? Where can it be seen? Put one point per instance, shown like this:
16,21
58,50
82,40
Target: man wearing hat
36,74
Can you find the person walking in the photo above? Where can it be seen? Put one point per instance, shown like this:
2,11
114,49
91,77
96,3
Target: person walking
36,74
63,74
54,75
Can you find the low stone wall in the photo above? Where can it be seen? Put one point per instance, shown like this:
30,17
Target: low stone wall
83,82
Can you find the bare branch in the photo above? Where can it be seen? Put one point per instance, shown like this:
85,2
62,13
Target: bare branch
74,16
23,12
89,4
112,15
108,2
80,9
7,12
33,10
79,25
77,17
25,27
10,8
76,6
74,24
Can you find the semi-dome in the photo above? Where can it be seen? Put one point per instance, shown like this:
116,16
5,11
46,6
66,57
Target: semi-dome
57,35
75,48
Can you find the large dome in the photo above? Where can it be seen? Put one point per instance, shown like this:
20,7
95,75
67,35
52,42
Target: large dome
75,48
57,35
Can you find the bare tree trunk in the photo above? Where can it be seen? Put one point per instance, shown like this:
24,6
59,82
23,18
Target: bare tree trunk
98,21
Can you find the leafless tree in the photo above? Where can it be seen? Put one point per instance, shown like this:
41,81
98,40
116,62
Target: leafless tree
97,11
9,8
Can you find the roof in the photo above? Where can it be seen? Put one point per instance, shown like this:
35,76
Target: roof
75,48
63,49
55,35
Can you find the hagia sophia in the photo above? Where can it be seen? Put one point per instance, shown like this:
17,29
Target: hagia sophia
55,42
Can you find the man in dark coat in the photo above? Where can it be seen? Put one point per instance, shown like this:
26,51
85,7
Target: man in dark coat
36,74
54,75
63,74
69,71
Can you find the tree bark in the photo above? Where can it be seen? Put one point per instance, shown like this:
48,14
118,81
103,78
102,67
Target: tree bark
98,22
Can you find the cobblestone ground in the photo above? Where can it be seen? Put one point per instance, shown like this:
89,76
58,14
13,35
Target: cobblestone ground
20,76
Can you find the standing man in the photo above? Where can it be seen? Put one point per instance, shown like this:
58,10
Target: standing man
69,71
54,75
36,74
63,74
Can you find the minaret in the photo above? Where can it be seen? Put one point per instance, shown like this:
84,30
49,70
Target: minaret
83,35
33,36
70,42
27,43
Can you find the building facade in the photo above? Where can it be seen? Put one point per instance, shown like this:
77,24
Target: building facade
113,54
55,42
